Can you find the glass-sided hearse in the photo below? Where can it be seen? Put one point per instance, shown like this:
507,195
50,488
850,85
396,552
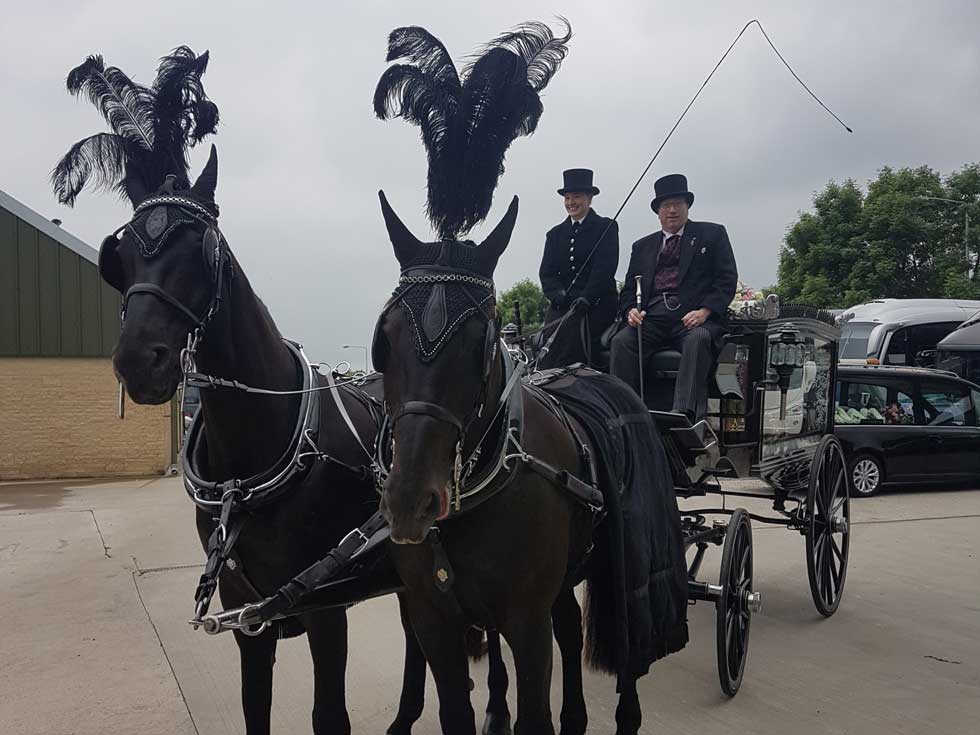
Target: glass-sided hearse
769,414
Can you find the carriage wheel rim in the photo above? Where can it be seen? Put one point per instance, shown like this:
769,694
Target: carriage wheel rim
735,617
828,539
865,476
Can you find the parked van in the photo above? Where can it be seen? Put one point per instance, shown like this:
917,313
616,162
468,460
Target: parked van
900,331
906,425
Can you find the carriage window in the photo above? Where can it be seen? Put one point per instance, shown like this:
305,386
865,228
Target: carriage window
870,403
946,404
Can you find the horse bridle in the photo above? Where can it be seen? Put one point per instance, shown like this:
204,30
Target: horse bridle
430,276
215,253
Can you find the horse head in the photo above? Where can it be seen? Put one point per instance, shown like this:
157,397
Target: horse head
436,342
169,262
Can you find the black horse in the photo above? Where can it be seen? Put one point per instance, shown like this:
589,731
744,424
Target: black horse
508,564
244,434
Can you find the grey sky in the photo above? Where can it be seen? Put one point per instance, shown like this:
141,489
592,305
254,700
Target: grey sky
302,157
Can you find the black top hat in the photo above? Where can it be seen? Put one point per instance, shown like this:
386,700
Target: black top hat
671,185
578,179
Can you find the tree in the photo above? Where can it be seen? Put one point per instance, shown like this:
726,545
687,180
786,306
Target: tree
897,240
533,304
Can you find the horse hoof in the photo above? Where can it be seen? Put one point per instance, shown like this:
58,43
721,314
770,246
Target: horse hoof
497,724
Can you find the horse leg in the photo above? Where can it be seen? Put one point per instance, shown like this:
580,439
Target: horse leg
498,714
567,618
628,713
442,639
413,680
530,640
326,633
257,656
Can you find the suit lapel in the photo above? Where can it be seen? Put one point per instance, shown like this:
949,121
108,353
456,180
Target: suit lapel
689,243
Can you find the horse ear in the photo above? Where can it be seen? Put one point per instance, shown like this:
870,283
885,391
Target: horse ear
207,182
497,241
404,242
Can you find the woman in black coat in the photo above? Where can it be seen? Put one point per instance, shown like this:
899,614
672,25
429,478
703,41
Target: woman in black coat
576,274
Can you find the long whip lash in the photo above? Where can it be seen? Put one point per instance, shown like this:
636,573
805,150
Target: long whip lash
684,113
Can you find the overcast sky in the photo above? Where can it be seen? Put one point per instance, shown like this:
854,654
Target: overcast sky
302,156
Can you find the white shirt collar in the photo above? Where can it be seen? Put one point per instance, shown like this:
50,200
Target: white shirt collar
668,235
580,221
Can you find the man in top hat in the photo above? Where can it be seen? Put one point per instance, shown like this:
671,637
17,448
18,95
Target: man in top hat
688,280
578,271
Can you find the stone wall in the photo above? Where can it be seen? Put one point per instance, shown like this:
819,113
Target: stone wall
58,418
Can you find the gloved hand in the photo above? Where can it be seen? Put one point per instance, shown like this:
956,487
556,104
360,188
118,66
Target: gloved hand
581,303
558,303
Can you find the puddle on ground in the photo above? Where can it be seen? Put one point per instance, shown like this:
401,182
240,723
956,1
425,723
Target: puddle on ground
28,496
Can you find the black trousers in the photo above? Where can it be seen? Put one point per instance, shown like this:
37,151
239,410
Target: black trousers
570,345
663,329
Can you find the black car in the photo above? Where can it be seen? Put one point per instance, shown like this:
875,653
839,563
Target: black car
906,425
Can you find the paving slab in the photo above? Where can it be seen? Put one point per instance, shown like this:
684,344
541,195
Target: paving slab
97,580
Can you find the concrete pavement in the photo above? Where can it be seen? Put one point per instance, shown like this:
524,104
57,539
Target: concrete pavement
96,582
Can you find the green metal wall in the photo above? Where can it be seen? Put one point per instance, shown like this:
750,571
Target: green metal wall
52,301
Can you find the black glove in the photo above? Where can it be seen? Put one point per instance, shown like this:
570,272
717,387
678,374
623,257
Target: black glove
558,303
581,303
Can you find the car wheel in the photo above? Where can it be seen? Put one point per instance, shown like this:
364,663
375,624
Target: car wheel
866,475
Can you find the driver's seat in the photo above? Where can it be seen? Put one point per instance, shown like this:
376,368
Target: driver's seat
660,375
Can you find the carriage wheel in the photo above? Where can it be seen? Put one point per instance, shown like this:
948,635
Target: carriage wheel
827,526
735,605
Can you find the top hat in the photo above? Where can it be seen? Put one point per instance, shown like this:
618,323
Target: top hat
671,185
578,180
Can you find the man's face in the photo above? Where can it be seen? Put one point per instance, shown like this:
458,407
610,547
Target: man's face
673,213
577,204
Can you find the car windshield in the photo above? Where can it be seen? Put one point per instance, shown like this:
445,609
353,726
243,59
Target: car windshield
854,339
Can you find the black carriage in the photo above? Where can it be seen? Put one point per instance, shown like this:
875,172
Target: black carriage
769,415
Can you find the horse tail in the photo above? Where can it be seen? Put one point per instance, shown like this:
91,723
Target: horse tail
603,621
475,643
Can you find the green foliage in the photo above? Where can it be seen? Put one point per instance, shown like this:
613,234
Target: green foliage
533,304
891,241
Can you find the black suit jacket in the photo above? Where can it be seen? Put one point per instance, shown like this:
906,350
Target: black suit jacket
708,275
597,281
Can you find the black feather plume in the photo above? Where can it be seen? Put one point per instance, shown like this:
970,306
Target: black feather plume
152,127
468,123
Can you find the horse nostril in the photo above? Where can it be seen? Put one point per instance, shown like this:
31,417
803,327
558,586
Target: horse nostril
159,355
433,508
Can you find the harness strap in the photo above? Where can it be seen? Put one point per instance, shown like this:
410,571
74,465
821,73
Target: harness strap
587,494
152,288
220,544
431,410
342,409
368,535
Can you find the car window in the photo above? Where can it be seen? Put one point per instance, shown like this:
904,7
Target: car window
864,402
898,348
946,404
854,339
925,337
